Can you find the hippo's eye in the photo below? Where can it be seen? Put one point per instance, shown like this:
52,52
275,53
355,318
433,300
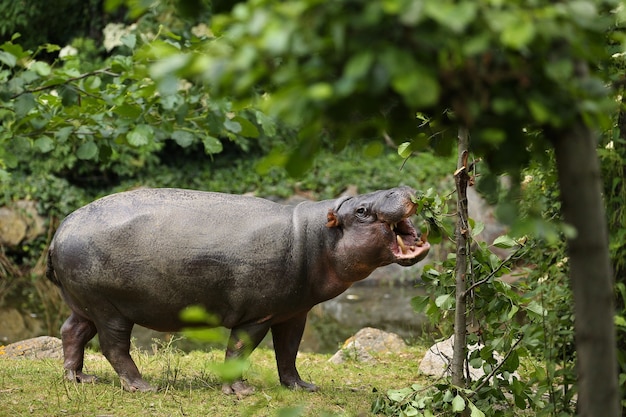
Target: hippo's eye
361,211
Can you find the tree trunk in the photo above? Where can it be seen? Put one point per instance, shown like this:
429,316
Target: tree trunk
590,272
461,177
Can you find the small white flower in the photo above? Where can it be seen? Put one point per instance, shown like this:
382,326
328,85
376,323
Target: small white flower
202,30
68,50
610,145
113,33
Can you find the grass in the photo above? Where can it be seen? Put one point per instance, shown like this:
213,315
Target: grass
188,388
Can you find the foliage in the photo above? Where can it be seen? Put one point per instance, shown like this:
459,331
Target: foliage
613,156
520,319
486,65
57,23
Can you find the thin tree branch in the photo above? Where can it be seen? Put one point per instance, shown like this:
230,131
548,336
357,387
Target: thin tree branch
495,369
495,271
105,71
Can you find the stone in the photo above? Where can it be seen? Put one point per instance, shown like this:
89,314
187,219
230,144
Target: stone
42,347
438,358
479,210
17,325
365,342
20,222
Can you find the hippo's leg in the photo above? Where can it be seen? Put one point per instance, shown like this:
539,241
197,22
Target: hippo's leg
243,340
114,337
75,333
287,336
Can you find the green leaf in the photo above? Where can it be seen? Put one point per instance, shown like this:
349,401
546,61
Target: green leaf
504,242
512,362
232,126
183,138
410,411
63,133
405,150
197,314
128,111
456,16
536,308
458,404
398,395
88,150
518,33
444,301
619,321
358,65
477,227
418,87
141,135
539,111
212,145
475,412
8,59
297,411
248,129
229,370
41,68
44,144
24,104
267,123
129,40
420,303
448,396
320,91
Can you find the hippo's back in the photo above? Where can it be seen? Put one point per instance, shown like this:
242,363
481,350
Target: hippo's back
170,248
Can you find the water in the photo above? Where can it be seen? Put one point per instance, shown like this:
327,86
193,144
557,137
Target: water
332,322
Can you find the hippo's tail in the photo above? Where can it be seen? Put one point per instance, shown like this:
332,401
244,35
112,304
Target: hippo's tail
50,274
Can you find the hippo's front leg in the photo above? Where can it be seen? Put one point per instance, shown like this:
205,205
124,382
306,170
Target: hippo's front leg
243,340
287,336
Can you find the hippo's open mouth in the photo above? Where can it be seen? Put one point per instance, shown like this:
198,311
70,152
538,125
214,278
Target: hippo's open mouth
407,246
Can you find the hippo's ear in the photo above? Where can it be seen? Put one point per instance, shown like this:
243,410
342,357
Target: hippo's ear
333,220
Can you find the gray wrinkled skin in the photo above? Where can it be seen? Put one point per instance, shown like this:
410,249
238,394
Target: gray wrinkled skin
142,256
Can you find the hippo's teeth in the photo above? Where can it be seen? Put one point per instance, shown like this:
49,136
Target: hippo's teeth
419,243
401,244
393,226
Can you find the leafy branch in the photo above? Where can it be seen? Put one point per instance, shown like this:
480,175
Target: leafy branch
105,71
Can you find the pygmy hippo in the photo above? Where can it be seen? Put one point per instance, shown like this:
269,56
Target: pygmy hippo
142,256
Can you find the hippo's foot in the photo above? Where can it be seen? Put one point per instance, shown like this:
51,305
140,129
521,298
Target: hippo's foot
79,376
137,385
238,388
300,384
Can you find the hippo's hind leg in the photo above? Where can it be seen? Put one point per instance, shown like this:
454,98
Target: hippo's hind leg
75,333
114,335
243,340
287,336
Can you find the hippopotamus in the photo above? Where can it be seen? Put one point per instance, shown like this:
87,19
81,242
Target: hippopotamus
142,256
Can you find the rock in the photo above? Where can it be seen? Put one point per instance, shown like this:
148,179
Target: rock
438,358
479,210
43,347
17,326
365,342
20,222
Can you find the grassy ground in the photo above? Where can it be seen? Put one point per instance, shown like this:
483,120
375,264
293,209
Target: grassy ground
188,388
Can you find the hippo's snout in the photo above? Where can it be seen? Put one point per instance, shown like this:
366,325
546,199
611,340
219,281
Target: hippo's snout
394,209
409,246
